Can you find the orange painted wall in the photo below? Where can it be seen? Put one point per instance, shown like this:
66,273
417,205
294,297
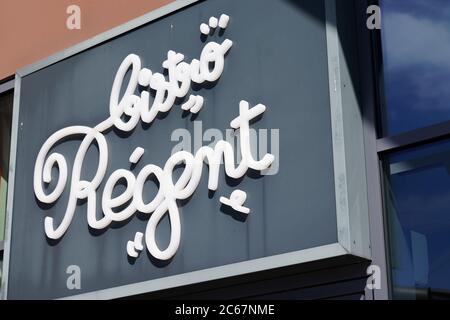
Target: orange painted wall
31,30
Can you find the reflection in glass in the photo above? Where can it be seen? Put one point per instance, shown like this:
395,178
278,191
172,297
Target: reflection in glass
416,62
417,187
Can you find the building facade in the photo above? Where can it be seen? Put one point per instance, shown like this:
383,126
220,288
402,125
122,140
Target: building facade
222,149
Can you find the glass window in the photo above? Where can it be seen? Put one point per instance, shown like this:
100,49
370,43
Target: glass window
417,193
416,61
6,105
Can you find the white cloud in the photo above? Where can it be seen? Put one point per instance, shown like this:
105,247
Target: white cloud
411,40
418,49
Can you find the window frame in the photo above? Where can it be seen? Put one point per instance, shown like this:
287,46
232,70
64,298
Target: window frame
378,146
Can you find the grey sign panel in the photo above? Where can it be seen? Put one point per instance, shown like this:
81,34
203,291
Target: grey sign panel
278,58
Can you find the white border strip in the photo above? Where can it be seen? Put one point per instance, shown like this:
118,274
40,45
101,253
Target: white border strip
240,268
337,126
10,198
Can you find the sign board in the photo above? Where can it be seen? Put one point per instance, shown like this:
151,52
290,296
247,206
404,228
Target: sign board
203,143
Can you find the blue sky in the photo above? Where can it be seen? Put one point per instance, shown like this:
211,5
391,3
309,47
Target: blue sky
416,56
